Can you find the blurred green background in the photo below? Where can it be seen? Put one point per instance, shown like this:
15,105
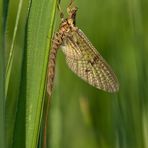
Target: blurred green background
81,116
85,117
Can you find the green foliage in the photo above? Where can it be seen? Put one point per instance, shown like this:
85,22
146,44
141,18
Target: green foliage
27,45
80,115
2,80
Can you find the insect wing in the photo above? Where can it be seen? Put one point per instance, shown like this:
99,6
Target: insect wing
88,64
70,47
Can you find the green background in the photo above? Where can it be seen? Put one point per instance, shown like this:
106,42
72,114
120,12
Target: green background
81,116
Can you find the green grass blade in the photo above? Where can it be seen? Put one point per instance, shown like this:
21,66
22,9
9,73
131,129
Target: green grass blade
2,80
14,43
10,46
40,25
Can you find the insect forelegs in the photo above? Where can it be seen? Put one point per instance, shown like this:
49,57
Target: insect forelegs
60,10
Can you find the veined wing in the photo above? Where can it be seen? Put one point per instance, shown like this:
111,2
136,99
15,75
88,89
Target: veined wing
84,60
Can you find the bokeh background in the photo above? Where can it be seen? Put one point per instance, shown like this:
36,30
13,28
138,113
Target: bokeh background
81,116
84,117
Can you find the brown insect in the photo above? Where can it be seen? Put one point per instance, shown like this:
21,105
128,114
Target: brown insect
81,56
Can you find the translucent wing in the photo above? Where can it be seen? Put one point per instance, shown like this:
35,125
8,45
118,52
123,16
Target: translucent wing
84,60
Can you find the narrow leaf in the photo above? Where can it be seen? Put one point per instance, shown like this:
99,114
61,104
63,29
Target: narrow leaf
39,33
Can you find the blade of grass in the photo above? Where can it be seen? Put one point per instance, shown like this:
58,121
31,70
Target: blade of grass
15,30
2,120
20,124
40,26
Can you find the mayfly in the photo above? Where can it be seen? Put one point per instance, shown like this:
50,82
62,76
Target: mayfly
81,56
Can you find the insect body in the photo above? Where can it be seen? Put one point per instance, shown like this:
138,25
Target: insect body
81,56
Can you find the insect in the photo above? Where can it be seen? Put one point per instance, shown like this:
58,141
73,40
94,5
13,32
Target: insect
81,56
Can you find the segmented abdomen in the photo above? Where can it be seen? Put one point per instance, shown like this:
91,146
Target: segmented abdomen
56,42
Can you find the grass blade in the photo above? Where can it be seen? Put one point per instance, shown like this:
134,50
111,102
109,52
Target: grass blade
14,47
2,79
40,22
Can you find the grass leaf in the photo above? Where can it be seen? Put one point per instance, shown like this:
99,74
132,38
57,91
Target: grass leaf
2,78
14,49
39,33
